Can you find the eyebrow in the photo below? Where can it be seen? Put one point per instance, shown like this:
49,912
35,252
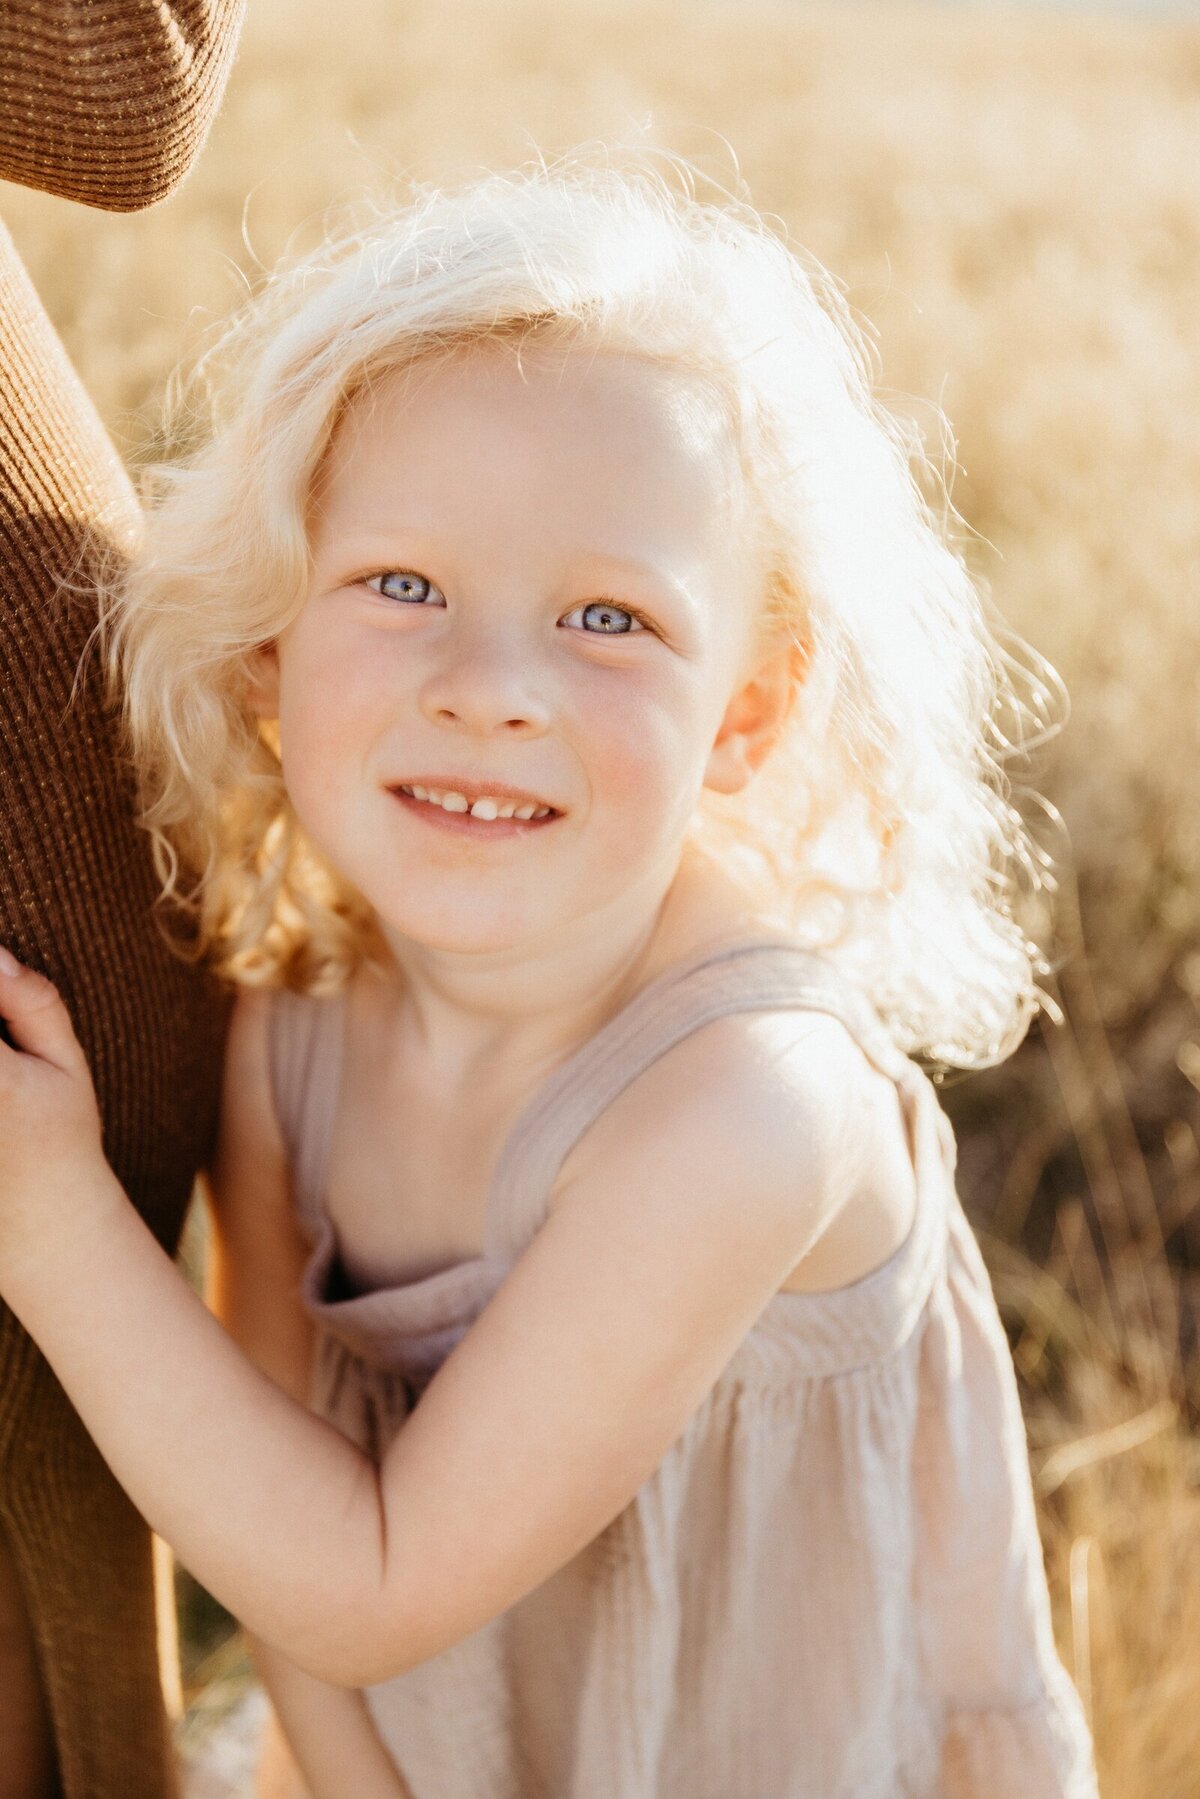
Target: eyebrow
629,568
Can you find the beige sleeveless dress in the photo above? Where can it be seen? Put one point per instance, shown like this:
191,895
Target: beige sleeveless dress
831,1588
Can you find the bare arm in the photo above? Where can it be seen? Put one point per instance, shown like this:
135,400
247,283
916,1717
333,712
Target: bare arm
539,1428
257,1255
110,104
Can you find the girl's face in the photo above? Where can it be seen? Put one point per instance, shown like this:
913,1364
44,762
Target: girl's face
530,592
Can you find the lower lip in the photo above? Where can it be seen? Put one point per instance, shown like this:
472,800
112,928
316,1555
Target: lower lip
462,824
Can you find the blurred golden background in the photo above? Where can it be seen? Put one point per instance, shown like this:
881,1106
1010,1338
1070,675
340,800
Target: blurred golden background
1012,200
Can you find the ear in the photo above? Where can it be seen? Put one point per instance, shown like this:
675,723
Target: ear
754,720
262,690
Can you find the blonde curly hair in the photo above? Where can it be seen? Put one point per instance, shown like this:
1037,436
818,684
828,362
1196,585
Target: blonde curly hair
882,830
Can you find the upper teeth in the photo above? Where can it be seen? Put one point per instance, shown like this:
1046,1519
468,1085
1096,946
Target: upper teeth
484,807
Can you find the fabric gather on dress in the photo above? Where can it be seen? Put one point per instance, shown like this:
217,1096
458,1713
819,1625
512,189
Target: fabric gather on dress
832,1586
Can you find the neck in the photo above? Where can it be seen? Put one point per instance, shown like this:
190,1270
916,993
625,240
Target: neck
523,1009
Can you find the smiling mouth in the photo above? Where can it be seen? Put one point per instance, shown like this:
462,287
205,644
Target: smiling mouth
488,807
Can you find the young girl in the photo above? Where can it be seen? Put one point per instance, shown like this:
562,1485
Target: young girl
572,1164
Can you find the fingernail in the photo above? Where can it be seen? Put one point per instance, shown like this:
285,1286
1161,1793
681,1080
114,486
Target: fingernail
8,964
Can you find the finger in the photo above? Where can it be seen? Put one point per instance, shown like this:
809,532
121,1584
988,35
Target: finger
37,1020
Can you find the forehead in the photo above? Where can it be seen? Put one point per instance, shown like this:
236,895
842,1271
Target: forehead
582,439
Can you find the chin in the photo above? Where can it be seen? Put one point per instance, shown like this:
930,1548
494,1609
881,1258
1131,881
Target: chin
465,931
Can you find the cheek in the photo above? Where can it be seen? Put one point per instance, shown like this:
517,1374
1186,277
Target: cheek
650,752
321,726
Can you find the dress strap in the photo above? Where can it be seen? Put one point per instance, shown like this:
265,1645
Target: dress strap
765,976
305,1055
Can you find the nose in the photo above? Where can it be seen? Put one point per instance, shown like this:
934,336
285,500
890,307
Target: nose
486,684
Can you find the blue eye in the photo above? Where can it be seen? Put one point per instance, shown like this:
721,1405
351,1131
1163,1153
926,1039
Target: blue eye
395,584
602,619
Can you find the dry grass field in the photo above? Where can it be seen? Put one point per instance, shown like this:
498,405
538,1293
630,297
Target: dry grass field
1013,202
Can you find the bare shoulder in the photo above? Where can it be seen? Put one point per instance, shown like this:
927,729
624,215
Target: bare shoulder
777,1117
765,1101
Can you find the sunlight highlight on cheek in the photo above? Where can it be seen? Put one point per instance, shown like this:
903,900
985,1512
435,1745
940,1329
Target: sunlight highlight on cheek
647,767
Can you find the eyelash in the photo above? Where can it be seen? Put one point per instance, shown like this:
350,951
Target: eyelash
398,574
411,575
643,624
